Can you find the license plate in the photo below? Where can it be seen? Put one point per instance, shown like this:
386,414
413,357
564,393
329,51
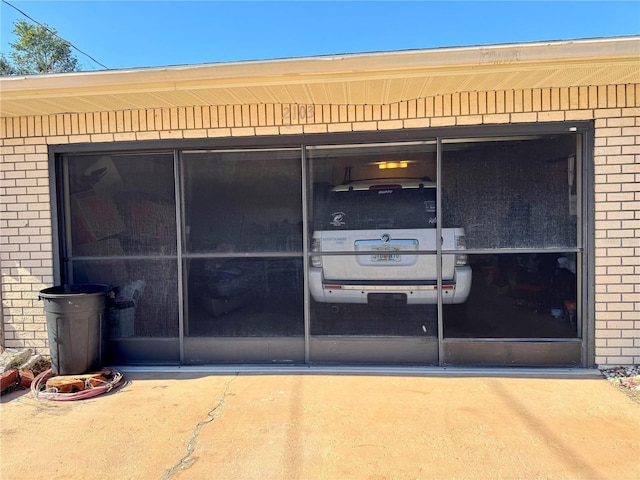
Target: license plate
386,257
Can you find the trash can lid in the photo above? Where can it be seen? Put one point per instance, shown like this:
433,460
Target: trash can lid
74,289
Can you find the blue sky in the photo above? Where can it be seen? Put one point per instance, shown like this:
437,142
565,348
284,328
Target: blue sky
125,34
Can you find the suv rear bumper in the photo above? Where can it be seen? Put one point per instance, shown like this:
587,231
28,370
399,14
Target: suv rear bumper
456,291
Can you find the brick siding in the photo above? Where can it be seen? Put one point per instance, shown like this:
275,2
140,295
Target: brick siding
25,216
617,225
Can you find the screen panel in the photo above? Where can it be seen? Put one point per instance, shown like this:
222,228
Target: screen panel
512,193
243,201
122,204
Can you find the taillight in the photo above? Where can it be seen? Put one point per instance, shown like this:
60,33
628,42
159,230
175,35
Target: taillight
461,258
316,260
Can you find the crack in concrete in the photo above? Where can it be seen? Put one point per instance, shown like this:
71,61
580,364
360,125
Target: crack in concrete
185,462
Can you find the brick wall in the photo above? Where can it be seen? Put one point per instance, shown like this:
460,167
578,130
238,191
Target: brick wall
26,242
617,213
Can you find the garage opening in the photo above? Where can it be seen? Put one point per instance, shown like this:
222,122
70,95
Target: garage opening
434,250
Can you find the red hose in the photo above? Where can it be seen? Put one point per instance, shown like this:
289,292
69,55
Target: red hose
40,391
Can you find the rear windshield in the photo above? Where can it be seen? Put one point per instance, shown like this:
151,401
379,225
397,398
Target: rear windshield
378,209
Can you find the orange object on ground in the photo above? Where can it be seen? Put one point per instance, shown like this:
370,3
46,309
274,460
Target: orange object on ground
7,379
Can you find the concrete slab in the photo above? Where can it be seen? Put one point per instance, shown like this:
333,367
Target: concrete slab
172,425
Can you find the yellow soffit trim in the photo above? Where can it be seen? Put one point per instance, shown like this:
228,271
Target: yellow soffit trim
318,79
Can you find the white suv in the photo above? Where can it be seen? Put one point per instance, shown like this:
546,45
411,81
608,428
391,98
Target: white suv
388,220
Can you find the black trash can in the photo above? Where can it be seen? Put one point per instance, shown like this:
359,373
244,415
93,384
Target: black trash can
75,322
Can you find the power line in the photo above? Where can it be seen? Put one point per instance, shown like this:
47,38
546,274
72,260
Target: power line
56,35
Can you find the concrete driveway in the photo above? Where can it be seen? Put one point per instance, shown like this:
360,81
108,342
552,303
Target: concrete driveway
224,425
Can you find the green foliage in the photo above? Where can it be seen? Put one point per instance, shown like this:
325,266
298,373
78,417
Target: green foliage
5,67
37,50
